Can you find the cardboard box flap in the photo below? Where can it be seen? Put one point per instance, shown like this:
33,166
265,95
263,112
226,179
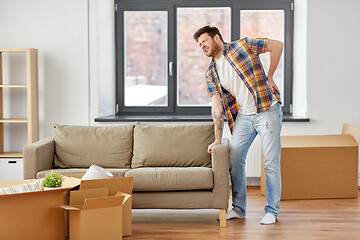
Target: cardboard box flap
353,130
104,202
126,196
70,182
115,185
318,141
78,197
68,207
75,175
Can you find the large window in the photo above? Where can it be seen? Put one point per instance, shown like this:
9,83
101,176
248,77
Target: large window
160,69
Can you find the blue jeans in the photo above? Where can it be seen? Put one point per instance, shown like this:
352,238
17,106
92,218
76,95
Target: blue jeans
268,125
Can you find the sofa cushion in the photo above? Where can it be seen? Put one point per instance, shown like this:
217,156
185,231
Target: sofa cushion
81,146
172,145
117,172
171,178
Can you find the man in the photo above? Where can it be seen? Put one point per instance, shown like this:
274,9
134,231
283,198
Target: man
238,85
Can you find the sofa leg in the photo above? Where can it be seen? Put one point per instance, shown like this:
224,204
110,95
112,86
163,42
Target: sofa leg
223,218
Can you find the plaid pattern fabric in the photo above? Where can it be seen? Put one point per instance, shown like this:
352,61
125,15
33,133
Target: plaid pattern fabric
243,56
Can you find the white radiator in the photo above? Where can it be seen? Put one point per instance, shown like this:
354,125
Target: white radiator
253,160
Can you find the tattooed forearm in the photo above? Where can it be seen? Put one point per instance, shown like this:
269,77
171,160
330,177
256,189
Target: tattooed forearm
218,118
217,115
219,126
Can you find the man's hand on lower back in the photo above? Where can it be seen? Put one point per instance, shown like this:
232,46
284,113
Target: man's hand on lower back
272,85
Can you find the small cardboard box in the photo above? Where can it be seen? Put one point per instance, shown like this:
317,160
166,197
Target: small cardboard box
33,215
314,167
117,187
95,215
114,204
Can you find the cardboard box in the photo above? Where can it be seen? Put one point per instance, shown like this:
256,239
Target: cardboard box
118,187
95,215
101,209
314,167
33,215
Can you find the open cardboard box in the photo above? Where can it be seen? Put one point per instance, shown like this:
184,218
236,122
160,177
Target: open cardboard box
101,209
34,215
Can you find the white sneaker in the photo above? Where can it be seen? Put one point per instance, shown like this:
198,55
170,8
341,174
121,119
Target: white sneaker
268,219
231,215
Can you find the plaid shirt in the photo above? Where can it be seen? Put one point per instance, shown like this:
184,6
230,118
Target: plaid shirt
243,56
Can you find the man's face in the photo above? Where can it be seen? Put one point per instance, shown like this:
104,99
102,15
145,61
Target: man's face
208,44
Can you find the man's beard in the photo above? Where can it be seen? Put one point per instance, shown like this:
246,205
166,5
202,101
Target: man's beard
212,50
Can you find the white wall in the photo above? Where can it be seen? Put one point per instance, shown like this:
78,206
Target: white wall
333,82
59,30
102,52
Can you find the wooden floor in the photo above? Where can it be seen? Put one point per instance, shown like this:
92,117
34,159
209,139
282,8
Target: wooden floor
298,219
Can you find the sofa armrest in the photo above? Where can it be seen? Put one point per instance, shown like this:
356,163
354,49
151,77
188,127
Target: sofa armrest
38,156
220,166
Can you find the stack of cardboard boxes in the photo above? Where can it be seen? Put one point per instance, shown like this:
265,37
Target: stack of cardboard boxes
98,209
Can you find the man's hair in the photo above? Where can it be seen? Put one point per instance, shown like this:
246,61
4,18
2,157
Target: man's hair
212,31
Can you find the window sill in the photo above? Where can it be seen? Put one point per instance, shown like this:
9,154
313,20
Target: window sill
178,118
291,118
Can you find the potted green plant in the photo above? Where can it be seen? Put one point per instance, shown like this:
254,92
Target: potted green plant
52,180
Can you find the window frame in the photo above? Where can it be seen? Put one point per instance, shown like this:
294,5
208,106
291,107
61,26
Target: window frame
171,6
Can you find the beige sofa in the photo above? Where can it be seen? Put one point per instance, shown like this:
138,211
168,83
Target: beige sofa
170,163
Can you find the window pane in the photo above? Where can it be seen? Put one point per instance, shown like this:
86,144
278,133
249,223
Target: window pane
146,58
191,61
269,24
